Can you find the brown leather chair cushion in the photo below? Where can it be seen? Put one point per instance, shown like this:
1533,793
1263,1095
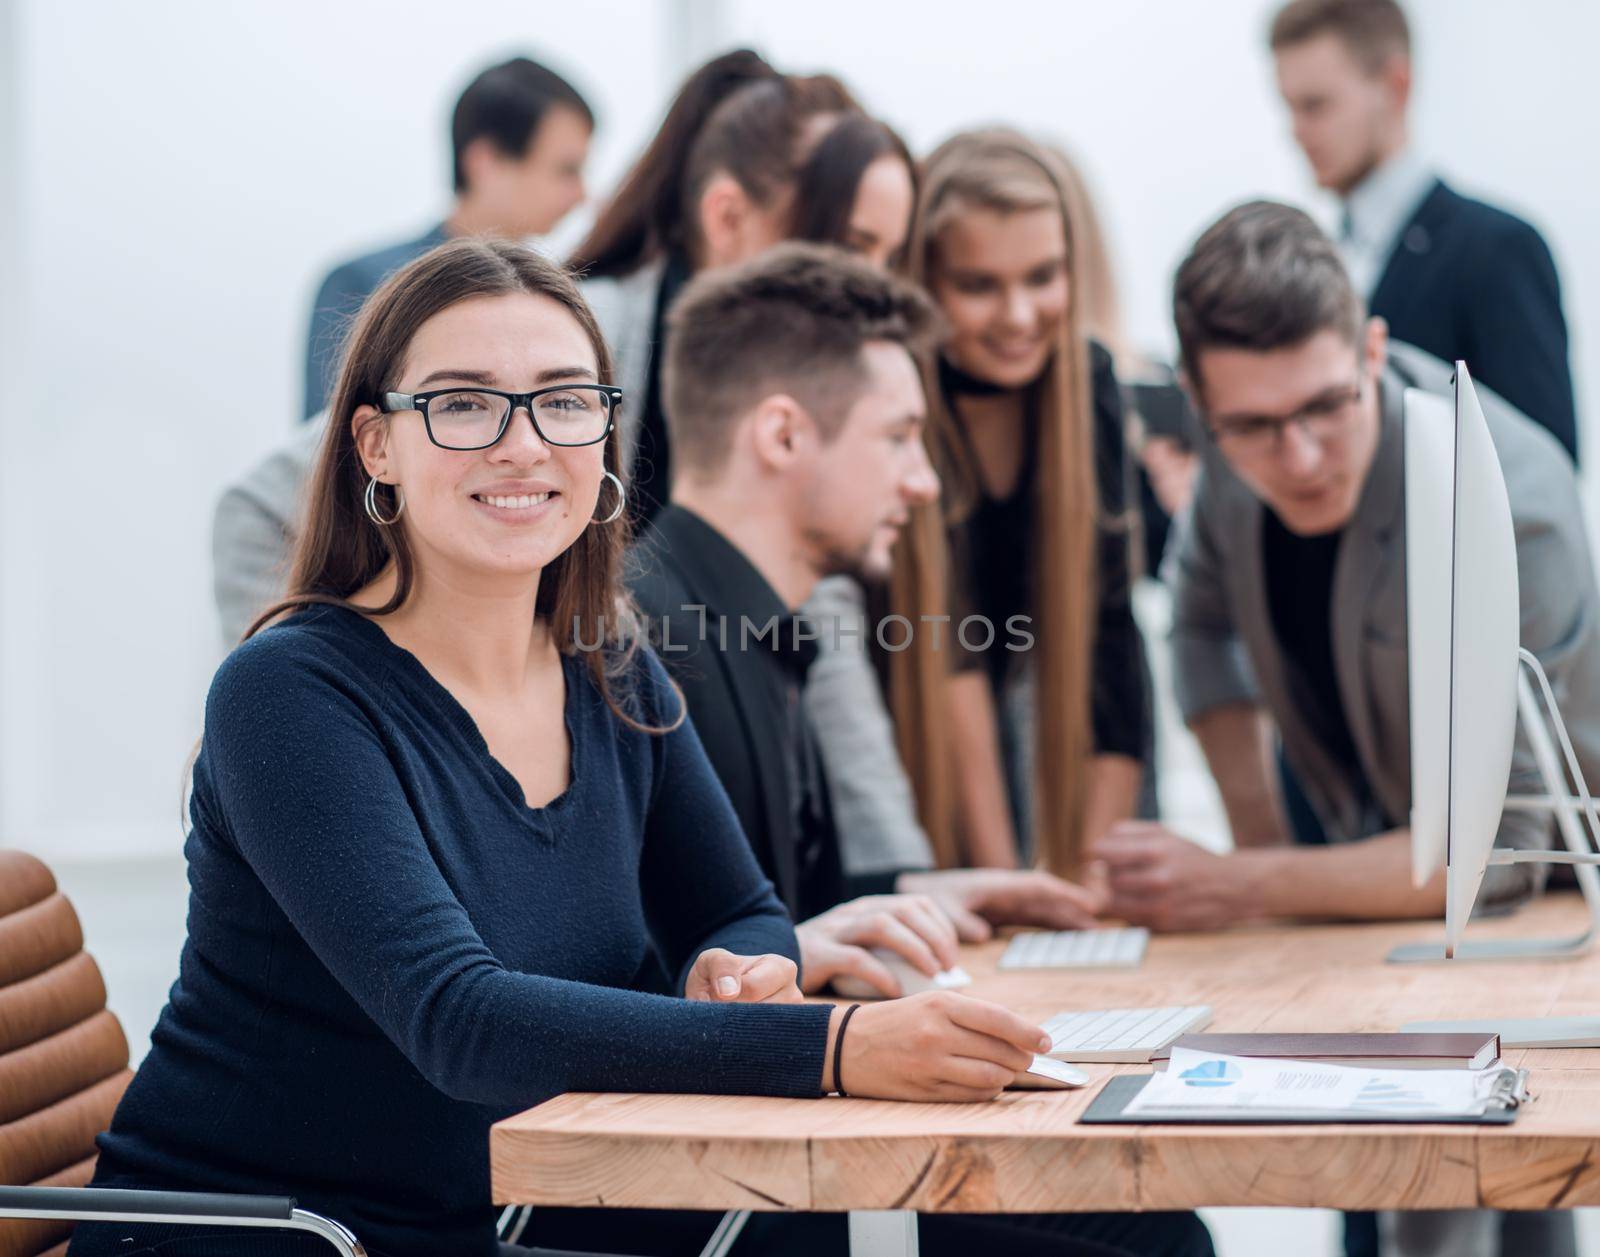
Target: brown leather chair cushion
23,881
35,1077
63,1056
50,1002
34,938
26,1238
43,1143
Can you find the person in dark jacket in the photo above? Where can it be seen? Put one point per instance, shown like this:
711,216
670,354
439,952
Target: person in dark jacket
796,410
519,139
1453,276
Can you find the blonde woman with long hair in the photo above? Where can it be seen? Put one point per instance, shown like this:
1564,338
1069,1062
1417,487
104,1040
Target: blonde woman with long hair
1022,724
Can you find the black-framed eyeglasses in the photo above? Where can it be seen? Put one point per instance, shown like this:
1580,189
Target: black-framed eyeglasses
1322,419
475,418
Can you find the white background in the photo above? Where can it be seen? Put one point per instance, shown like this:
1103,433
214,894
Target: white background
175,175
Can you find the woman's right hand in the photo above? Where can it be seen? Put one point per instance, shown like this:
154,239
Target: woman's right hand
933,1046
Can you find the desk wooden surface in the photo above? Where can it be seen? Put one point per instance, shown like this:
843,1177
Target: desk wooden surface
1025,1153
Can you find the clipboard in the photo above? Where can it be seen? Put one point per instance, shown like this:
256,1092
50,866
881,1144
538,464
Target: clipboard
1108,1108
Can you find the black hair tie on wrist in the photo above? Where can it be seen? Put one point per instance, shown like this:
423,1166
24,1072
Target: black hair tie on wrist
838,1049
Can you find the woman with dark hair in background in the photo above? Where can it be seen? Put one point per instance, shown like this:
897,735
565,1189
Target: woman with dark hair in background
438,836
745,157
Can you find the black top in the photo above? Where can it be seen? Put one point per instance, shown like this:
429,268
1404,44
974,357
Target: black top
1470,281
995,561
740,656
1299,579
389,950
651,480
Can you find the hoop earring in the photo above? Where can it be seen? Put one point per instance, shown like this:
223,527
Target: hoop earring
370,501
622,500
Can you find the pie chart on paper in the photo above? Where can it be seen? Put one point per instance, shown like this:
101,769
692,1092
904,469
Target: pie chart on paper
1211,1074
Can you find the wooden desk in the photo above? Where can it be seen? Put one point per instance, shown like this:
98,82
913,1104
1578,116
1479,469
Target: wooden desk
1024,1153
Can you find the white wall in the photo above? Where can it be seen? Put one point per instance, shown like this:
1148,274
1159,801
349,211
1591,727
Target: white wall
1172,110
1168,106
1510,109
184,170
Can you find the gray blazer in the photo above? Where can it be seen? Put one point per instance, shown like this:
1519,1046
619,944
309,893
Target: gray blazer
625,308
874,809
1224,648
254,528
257,519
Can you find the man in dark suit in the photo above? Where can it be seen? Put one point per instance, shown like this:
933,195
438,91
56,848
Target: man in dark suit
1450,275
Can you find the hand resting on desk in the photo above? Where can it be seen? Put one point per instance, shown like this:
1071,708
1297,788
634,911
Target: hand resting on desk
835,943
724,978
1166,882
935,912
977,900
933,1046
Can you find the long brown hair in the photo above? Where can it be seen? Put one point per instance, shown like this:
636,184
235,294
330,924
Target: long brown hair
340,550
1004,171
1095,292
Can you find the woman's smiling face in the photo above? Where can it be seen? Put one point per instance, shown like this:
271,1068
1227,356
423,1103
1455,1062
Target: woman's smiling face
1001,280
510,509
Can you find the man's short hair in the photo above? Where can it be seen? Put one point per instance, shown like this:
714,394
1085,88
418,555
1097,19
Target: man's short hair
1373,30
505,105
794,320
1262,277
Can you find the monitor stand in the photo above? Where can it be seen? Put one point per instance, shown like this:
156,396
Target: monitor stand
1569,809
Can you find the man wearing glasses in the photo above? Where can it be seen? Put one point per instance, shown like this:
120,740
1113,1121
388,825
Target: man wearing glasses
1289,591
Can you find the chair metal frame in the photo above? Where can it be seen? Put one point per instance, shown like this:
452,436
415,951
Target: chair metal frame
115,1204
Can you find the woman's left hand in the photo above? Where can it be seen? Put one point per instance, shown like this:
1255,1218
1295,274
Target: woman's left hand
724,978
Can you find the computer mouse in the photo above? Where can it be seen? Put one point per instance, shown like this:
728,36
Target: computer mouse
912,980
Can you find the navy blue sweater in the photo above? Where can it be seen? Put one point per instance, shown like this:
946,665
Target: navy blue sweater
388,950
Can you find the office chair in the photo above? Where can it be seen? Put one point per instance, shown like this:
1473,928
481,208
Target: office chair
63,1067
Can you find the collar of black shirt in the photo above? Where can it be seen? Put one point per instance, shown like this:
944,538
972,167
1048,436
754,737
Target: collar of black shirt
742,611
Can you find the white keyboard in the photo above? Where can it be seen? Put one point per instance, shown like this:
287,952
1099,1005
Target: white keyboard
1121,1035
1077,949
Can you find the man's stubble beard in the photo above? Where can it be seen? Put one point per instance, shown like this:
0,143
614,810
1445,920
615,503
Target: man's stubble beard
861,565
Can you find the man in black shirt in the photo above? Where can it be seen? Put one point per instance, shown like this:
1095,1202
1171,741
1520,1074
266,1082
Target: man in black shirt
700,590
796,414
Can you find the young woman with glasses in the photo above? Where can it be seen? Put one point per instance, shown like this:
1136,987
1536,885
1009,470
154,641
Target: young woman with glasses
437,847
745,157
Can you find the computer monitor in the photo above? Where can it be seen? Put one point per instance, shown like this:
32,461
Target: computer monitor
1465,672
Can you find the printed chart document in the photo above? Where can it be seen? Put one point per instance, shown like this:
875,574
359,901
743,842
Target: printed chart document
1206,1082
